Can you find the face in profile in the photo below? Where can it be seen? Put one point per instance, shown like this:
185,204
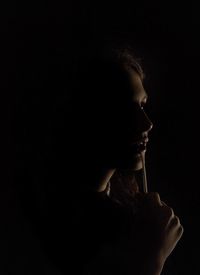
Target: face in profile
116,127
131,124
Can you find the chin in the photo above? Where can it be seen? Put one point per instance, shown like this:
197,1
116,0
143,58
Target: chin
134,162
124,159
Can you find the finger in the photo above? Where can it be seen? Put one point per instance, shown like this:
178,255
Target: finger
174,223
168,212
154,198
180,231
163,203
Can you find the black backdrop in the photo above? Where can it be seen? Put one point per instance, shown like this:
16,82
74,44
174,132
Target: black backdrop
38,41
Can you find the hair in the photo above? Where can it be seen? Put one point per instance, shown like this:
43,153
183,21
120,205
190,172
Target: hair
103,56
124,57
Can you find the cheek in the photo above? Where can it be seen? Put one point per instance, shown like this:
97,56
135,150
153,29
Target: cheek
110,127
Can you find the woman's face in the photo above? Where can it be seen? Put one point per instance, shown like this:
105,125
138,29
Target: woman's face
117,127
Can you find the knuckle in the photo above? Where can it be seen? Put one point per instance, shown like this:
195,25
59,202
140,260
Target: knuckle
154,196
164,204
170,211
181,230
157,196
176,220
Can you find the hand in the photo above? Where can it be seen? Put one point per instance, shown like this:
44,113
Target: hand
153,234
156,229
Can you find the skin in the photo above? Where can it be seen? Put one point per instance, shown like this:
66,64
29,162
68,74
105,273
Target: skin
118,120
155,233
156,229
137,98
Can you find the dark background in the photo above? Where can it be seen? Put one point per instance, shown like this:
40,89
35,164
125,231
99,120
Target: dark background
38,42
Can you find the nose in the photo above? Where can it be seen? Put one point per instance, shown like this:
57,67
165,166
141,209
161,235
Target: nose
139,124
144,123
147,123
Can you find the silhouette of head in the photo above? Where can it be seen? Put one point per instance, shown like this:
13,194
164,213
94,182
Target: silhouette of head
110,124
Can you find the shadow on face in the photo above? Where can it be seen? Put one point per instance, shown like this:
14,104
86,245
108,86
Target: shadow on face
110,125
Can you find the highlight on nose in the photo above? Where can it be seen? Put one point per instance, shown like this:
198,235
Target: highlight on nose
147,123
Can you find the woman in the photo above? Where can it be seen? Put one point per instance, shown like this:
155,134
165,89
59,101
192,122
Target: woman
112,227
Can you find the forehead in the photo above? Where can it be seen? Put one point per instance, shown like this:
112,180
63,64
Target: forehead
136,86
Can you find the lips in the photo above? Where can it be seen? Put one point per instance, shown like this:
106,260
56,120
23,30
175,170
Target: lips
140,145
142,140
